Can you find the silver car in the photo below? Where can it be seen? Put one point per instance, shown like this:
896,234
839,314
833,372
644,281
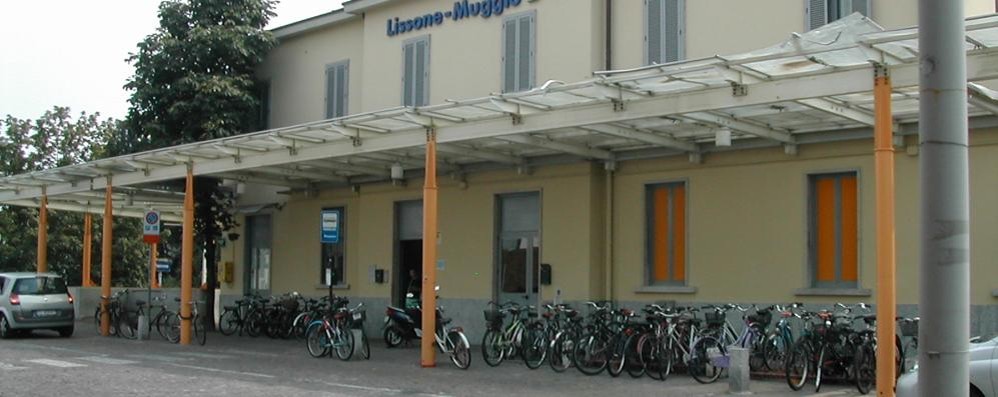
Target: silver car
983,372
35,301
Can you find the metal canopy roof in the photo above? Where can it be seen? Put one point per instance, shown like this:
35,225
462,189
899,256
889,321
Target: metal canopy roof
808,89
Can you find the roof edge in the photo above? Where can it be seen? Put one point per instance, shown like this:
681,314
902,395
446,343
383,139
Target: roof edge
359,6
314,23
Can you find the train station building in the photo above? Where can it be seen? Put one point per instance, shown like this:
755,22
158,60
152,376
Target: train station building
636,151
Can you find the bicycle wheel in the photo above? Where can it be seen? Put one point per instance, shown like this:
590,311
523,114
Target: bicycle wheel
865,368
665,356
774,351
254,323
534,347
365,346
200,330
317,340
560,354
590,353
617,358
643,357
300,325
124,329
228,323
633,362
171,325
707,360
492,351
799,364
343,343
460,349
97,319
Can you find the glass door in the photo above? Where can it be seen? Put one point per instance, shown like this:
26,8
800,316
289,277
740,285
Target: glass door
258,255
518,248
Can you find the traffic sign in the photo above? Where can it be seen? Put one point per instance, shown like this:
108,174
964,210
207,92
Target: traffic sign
163,265
150,227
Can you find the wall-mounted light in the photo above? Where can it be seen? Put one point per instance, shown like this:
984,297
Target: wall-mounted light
398,173
722,137
240,188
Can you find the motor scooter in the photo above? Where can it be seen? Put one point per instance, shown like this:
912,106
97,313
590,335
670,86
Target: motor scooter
405,325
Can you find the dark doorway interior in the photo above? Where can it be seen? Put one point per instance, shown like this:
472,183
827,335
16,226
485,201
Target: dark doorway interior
410,264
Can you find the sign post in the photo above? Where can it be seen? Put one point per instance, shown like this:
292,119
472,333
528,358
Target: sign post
150,234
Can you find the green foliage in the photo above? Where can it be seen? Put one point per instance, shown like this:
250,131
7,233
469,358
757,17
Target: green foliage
57,139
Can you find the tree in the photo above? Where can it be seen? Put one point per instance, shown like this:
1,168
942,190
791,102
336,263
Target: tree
54,140
194,80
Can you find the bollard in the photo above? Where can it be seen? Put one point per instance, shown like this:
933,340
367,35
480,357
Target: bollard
738,370
142,333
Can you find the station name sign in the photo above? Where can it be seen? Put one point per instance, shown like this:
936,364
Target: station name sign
462,10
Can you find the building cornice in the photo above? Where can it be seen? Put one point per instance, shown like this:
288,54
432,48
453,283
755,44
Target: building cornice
313,23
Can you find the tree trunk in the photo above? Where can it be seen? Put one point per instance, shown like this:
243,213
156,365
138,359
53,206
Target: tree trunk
211,266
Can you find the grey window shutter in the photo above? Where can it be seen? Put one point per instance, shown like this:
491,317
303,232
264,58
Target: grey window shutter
422,62
862,6
525,53
673,26
342,82
817,13
264,120
407,74
509,55
330,92
653,35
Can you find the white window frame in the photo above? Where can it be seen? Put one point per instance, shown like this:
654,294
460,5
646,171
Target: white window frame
424,99
807,12
330,110
531,16
681,39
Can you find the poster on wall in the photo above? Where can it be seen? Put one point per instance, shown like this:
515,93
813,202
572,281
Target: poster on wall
330,226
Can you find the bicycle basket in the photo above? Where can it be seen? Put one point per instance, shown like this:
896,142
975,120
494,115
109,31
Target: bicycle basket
909,328
289,304
763,318
713,319
359,317
493,319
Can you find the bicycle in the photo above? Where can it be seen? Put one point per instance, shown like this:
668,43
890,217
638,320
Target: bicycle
708,355
198,325
331,333
115,313
498,343
780,339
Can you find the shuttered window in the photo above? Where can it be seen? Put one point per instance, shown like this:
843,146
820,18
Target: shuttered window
834,230
665,31
519,43
263,114
416,72
821,12
337,89
666,233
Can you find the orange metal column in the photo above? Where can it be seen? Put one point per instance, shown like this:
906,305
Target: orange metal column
428,356
884,158
105,266
187,259
43,233
152,265
87,243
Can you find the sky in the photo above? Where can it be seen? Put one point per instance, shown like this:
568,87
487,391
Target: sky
72,53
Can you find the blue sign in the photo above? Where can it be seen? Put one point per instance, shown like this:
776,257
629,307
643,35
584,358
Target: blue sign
330,225
462,9
163,265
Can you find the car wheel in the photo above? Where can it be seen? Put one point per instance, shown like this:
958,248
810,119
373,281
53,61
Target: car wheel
5,331
66,332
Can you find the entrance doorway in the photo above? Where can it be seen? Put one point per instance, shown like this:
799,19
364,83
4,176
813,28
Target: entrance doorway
518,248
258,254
408,267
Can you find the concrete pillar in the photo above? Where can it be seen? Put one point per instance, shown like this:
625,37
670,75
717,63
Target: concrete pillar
738,370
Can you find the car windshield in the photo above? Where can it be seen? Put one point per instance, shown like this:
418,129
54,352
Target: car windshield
40,286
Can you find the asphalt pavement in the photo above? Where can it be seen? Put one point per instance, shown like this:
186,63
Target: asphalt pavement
44,364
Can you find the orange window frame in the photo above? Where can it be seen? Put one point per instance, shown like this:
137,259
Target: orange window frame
834,230
666,233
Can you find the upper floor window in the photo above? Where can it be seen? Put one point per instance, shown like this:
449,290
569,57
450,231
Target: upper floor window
519,43
263,114
833,235
665,31
337,89
665,208
416,72
821,12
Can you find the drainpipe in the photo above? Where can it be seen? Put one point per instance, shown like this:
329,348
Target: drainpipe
608,45
944,302
609,167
